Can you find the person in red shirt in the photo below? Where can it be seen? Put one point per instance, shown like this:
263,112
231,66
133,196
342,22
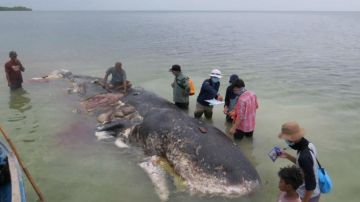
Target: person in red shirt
245,111
13,69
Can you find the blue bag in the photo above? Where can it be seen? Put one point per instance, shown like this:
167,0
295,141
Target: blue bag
325,182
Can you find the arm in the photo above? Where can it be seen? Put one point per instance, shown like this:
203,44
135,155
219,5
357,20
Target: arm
240,115
185,83
124,84
7,74
235,126
227,97
256,102
288,156
22,68
211,90
306,163
106,76
124,81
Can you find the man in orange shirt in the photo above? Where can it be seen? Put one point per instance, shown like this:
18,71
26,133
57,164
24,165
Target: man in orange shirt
13,69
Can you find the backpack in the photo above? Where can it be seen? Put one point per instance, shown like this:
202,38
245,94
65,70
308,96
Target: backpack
191,86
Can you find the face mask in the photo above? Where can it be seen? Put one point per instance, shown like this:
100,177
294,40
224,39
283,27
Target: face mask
214,79
289,143
237,92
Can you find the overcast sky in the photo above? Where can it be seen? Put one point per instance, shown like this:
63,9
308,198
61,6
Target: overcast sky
307,5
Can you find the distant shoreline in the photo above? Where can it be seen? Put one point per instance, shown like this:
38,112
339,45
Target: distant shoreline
15,8
22,8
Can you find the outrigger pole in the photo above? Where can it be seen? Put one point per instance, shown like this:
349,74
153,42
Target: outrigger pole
27,173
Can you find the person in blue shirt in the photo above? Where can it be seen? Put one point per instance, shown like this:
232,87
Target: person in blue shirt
230,98
209,90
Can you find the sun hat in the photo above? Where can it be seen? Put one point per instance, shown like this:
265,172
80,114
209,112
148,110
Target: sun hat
291,131
216,73
233,77
175,68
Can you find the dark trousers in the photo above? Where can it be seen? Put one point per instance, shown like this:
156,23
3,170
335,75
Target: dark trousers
14,86
240,134
182,105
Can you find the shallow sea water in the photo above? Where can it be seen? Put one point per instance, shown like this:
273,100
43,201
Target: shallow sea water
303,66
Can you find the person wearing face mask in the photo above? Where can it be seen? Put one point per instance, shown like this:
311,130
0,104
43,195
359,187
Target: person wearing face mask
209,90
230,98
305,159
181,89
245,111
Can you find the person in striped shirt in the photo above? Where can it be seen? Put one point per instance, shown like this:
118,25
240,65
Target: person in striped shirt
245,111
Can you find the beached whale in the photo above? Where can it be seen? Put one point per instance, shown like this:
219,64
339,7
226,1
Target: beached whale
202,155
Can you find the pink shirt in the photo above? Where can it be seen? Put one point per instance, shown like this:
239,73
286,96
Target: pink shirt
282,198
245,110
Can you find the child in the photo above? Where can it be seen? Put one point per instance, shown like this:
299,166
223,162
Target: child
290,179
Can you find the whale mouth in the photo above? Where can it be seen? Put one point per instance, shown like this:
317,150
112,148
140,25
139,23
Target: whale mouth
200,182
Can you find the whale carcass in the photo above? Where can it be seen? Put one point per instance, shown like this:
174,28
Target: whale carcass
202,155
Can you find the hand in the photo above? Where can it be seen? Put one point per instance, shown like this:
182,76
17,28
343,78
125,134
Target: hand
225,110
284,154
220,98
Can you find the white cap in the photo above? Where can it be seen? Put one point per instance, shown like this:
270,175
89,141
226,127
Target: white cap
216,73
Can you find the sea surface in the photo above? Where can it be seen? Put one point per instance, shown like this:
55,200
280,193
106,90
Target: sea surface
303,66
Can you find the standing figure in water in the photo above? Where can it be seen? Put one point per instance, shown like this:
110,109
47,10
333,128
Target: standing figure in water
245,111
209,90
230,98
305,159
13,69
181,89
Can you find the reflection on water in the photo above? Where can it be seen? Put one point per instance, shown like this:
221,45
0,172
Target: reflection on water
20,102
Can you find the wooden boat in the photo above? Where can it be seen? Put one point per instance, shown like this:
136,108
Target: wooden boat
12,187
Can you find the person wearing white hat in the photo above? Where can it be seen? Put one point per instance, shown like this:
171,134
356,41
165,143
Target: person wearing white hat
209,90
293,135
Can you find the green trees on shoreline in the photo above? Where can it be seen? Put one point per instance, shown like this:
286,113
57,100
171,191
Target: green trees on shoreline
15,8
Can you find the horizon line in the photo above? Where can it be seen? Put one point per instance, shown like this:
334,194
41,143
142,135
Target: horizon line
161,10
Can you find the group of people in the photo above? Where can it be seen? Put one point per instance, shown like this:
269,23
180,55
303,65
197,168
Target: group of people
240,104
297,183
291,186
